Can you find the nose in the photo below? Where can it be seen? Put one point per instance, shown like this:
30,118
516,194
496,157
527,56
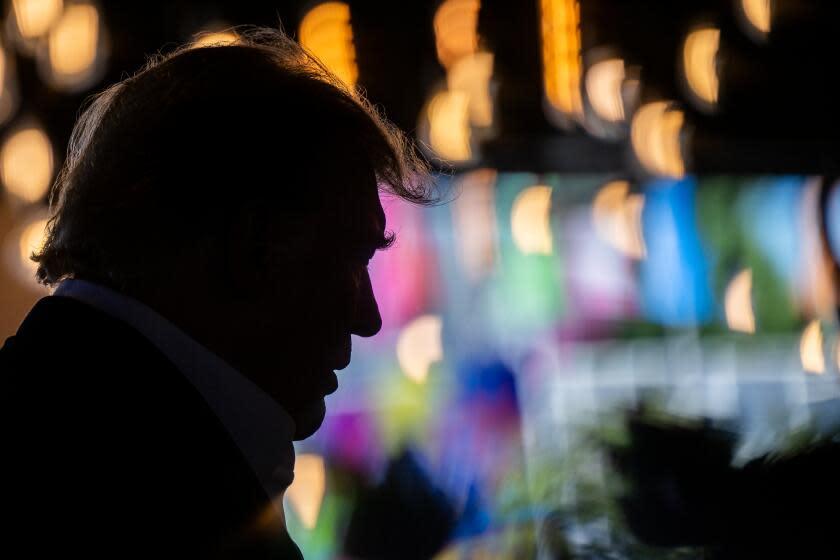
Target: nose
367,320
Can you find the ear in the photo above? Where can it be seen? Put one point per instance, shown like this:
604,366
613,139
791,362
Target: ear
246,257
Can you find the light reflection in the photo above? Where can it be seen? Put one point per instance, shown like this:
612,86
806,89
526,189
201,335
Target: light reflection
456,30
419,346
72,46
700,63
325,31
811,348
617,216
449,125
560,28
604,81
306,492
530,221
474,217
26,163
34,18
738,303
655,134
757,14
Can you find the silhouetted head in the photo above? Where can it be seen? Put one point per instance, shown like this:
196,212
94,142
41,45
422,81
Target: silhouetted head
235,189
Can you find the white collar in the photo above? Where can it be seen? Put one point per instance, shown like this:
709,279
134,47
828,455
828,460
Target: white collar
259,426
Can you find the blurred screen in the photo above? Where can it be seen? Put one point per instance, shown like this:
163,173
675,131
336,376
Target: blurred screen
524,319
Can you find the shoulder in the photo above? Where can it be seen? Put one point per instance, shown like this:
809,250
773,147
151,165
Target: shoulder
92,414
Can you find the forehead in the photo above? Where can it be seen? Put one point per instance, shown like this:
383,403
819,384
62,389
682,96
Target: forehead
353,205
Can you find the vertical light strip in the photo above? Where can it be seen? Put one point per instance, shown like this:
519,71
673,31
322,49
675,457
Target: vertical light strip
560,26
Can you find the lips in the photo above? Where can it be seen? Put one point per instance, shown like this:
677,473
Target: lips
330,383
342,357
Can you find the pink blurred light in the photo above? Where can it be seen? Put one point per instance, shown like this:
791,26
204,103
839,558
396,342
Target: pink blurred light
403,276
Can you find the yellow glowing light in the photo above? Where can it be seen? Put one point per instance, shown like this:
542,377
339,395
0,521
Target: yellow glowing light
215,39
419,346
603,88
811,348
655,134
26,164
31,240
449,125
471,75
307,490
33,18
474,218
325,31
73,43
757,13
617,216
456,30
560,26
738,303
529,221
699,63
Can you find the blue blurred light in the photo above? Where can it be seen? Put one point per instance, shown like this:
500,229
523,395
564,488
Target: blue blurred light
675,275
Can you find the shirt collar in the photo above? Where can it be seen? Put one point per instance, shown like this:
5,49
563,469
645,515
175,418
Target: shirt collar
259,426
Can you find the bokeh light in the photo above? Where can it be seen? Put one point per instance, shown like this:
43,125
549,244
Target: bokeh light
530,221
811,348
73,47
604,80
26,237
448,115
33,18
215,39
325,31
617,216
31,240
560,27
26,163
471,75
306,492
419,346
700,51
757,14
738,303
655,135
456,35
8,85
474,221
2,67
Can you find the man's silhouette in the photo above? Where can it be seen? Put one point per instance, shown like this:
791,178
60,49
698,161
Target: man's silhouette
210,235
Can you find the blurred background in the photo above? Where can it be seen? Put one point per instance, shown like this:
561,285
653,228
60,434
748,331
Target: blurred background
643,218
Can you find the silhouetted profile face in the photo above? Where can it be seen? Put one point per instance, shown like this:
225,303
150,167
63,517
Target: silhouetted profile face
316,294
235,190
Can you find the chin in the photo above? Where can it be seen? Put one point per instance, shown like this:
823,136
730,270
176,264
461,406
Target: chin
308,419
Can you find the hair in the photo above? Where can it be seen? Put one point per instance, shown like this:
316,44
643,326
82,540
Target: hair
170,152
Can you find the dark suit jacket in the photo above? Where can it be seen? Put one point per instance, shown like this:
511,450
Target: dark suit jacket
108,450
